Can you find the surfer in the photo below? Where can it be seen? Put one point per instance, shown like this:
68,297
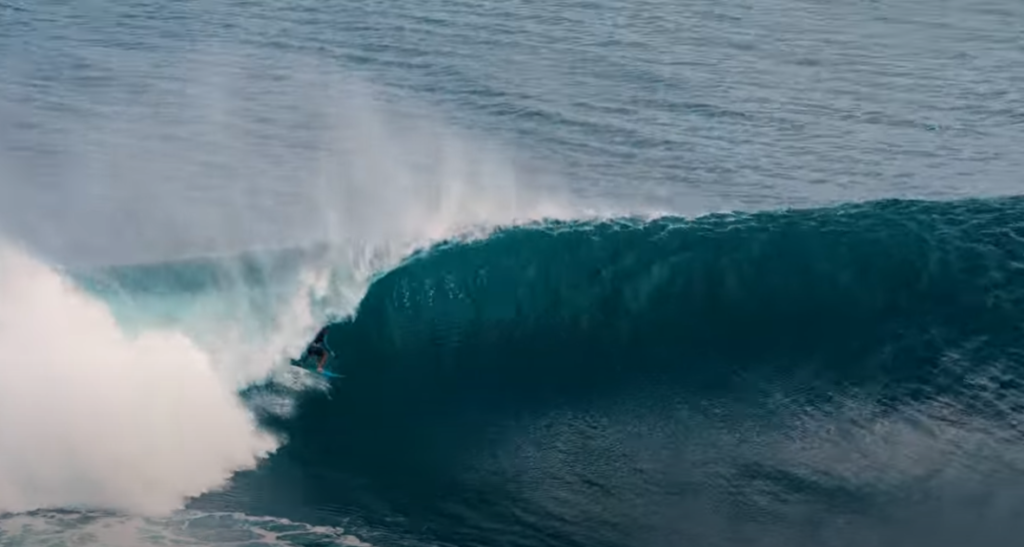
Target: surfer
318,349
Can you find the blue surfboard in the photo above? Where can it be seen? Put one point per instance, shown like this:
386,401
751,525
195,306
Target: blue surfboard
300,363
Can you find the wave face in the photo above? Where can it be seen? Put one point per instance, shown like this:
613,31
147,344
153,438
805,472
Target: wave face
840,376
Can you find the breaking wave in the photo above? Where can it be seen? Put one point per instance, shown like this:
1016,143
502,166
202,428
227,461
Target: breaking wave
845,374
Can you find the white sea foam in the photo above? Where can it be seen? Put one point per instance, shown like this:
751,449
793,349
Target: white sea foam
137,415
90,416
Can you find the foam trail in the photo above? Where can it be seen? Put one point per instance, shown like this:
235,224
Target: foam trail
92,417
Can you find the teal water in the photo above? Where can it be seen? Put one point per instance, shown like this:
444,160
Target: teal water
832,376
597,273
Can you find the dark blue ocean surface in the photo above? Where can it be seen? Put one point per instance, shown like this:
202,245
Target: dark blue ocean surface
597,273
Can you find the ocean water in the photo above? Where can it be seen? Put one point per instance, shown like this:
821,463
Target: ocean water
596,273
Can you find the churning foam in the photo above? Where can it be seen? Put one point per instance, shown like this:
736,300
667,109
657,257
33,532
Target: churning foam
92,417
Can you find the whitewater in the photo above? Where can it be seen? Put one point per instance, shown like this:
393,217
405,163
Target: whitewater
595,273
123,393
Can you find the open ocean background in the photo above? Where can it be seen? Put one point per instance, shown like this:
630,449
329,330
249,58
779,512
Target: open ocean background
598,273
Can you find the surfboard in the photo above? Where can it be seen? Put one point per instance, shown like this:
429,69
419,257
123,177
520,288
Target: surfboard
301,363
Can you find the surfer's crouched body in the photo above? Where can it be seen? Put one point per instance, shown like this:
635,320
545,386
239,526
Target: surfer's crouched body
318,349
